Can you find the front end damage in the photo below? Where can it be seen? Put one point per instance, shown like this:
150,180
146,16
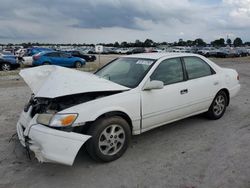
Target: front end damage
48,144
55,89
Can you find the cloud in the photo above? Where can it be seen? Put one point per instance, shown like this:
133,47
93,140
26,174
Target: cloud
239,13
117,20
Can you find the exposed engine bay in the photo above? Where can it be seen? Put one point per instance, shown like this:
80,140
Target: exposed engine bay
48,105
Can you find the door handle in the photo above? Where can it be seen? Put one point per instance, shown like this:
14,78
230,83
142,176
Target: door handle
184,91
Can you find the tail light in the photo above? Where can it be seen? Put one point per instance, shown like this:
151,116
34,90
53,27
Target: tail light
36,57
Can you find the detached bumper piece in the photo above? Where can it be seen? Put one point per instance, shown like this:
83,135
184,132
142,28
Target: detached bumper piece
50,145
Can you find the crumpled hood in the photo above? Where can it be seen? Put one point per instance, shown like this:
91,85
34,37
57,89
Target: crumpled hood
50,81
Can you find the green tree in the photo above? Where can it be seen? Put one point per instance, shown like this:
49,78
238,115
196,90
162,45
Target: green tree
237,42
190,43
199,42
148,43
138,43
229,41
219,42
124,44
116,44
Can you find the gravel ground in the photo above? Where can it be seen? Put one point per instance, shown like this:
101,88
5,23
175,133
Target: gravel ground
191,153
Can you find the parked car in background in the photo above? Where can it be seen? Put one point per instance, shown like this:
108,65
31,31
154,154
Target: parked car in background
8,61
26,58
136,51
128,96
206,51
57,58
77,53
226,52
122,50
243,52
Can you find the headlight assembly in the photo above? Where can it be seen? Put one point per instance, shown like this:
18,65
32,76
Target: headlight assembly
57,120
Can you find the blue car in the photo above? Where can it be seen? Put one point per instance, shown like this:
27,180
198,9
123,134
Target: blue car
57,58
35,50
8,61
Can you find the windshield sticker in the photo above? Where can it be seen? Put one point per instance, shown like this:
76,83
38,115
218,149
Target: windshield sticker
144,62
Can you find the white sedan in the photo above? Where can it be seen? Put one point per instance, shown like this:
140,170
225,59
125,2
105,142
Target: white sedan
128,96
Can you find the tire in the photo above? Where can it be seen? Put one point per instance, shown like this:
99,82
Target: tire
78,64
104,145
46,63
5,67
218,106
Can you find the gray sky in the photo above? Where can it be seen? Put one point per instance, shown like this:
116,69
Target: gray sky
94,21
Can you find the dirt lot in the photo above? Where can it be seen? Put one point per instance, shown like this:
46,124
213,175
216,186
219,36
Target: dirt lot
191,153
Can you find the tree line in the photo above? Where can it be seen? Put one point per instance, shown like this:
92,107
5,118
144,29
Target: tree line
147,43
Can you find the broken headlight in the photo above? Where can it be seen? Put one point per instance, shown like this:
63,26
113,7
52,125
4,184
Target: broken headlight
56,120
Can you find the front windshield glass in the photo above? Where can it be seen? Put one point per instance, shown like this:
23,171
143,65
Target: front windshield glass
126,71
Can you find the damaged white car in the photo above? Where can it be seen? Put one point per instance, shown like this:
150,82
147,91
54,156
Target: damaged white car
128,96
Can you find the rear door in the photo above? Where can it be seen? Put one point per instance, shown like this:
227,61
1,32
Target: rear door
203,82
54,58
66,59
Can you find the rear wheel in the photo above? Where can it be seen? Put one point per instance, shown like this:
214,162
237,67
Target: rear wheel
6,67
218,106
110,138
78,64
46,63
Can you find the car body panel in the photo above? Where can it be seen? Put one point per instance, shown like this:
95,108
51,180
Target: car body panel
49,145
42,79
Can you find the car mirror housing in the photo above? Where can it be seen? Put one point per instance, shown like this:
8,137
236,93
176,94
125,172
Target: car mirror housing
154,84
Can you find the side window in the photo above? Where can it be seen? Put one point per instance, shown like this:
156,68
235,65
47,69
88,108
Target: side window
64,55
52,54
169,71
196,67
75,53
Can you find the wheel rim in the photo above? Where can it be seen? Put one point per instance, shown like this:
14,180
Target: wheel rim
5,67
111,140
219,105
78,65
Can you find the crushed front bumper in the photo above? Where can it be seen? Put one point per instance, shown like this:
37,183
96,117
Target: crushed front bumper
48,144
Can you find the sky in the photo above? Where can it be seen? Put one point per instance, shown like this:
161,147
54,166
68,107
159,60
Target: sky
103,21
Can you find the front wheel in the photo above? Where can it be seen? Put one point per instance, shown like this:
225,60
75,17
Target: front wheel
218,106
110,138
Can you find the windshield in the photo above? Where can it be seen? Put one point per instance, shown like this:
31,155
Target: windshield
126,71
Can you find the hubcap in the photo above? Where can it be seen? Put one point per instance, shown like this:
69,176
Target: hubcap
219,105
5,67
78,65
111,140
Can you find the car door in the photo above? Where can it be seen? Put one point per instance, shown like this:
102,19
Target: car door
160,106
66,60
203,82
54,58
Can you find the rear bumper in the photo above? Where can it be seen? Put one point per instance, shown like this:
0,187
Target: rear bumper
48,144
234,91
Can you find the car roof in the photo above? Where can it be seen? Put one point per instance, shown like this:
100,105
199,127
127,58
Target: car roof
157,56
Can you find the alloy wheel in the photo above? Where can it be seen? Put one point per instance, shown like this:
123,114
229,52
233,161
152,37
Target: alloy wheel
111,140
219,105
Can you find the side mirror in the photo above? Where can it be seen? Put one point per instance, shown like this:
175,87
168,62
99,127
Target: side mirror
154,84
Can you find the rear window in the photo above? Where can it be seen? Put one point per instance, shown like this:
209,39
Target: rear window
196,67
